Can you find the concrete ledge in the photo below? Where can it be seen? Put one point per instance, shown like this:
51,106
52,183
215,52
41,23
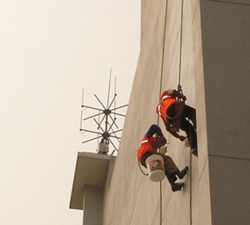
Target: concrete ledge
92,169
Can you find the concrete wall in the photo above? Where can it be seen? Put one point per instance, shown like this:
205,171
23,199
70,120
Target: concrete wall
226,53
214,77
93,205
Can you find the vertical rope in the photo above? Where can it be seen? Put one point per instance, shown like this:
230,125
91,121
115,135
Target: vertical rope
160,90
190,179
163,52
179,86
160,203
179,81
191,196
180,58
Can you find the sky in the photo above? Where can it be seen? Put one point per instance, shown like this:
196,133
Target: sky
50,51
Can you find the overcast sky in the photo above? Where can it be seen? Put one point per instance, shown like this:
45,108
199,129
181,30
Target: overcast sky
49,51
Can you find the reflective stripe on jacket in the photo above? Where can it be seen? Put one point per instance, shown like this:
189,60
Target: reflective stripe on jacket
162,108
146,146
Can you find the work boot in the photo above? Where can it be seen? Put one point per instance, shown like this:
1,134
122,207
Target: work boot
194,151
177,186
183,172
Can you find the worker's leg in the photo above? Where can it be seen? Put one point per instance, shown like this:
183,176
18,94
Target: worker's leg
191,134
170,166
190,113
171,170
190,131
171,178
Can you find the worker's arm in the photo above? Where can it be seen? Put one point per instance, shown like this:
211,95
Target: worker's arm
182,138
159,139
176,135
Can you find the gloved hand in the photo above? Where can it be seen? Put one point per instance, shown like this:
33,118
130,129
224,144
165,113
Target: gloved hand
182,138
159,141
163,149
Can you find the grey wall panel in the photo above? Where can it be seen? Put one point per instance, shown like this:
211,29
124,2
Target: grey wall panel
226,51
241,2
229,183
226,48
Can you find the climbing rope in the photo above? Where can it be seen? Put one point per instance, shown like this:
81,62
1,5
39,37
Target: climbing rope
179,80
190,180
180,58
139,165
160,203
162,67
179,88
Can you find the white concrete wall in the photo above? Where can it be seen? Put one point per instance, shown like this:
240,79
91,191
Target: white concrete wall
214,70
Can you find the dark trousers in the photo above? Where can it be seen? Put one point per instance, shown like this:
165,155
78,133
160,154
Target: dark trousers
189,114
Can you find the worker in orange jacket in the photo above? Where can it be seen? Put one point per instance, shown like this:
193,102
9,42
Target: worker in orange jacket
150,143
166,110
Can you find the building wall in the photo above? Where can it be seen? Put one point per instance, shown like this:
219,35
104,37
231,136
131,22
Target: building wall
226,50
214,76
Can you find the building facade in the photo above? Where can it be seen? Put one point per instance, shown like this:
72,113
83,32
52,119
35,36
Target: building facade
205,47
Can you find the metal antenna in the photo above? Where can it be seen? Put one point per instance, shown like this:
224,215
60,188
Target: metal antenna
82,109
107,130
109,87
115,91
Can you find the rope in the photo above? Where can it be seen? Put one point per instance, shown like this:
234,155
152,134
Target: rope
160,203
162,67
139,165
179,88
190,175
180,58
191,219
179,81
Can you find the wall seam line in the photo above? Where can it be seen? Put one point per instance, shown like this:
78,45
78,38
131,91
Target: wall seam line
227,2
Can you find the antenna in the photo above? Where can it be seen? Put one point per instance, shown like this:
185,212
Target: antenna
82,109
109,87
106,124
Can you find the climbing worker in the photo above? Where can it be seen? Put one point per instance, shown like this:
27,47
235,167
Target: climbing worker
168,112
153,140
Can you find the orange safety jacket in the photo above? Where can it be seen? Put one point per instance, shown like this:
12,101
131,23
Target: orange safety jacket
166,102
147,144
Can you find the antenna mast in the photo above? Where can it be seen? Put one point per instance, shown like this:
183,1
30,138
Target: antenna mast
107,130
